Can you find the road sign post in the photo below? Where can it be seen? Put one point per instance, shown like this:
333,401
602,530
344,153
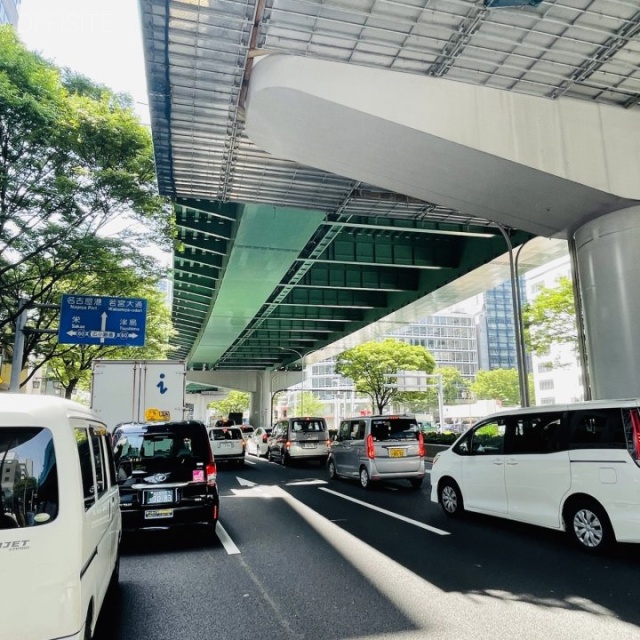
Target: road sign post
102,320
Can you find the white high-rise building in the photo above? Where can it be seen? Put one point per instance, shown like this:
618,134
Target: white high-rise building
9,12
557,375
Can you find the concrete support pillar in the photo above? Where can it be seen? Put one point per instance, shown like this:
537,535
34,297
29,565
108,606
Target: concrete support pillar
267,383
261,400
608,271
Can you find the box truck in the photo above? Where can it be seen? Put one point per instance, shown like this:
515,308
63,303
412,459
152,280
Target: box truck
138,390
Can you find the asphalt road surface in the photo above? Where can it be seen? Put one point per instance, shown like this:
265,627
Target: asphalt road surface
297,556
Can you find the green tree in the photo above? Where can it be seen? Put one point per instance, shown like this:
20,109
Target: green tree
453,386
372,367
74,160
499,384
307,403
235,402
112,271
551,318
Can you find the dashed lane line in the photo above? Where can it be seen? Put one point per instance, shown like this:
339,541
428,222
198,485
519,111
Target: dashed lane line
225,538
391,514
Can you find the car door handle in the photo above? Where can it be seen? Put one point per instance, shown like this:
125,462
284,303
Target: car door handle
498,463
512,461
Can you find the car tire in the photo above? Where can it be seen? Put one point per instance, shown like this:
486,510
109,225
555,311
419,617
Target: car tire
269,455
365,480
331,468
284,459
588,525
416,483
450,498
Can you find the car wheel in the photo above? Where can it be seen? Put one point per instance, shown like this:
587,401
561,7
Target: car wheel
451,498
331,466
588,526
284,458
416,483
365,481
269,455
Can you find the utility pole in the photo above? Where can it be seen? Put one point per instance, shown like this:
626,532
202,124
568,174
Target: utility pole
18,343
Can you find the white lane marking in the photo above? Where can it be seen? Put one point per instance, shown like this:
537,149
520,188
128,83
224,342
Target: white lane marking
440,532
245,483
227,542
298,483
247,461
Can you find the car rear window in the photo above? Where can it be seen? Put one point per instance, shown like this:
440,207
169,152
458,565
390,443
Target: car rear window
161,444
394,429
226,434
28,477
308,425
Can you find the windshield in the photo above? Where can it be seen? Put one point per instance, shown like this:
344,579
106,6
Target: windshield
394,429
155,449
28,477
308,425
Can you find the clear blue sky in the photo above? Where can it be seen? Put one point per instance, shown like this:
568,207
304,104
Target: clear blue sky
98,38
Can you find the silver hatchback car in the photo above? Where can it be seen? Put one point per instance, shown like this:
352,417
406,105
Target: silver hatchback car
374,448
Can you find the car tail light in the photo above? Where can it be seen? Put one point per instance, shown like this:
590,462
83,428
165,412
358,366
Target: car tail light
635,434
421,451
215,512
264,437
371,450
212,473
287,445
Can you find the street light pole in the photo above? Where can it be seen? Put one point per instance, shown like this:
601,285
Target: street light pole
302,357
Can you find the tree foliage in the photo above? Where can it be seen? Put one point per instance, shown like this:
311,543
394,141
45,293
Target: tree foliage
551,318
372,367
454,386
75,163
502,385
235,402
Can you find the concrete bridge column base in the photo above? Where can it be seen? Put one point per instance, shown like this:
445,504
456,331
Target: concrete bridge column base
608,269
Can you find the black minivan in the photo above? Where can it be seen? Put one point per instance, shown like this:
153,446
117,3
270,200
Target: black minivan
166,475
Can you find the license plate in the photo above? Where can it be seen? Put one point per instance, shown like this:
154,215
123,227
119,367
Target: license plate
226,445
309,445
155,514
397,453
158,496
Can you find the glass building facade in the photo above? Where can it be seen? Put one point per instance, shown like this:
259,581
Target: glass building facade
9,12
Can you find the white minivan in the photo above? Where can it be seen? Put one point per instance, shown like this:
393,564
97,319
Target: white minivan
575,468
60,523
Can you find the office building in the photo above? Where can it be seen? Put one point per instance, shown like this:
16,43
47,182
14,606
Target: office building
9,12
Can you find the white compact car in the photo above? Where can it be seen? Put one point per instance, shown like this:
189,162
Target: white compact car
227,444
573,468
60,523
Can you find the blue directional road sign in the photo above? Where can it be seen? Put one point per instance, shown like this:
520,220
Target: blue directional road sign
102,320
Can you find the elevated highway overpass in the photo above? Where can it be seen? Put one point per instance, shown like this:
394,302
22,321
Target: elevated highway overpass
342,166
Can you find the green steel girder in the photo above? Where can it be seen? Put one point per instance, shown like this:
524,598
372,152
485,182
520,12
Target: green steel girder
217,246
336,298
354,277
204,259
193,273
253,283
387,251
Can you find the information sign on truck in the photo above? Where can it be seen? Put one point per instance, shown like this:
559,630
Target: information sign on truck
138,390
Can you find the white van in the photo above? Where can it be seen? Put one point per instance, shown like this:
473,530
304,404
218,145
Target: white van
573,468
60,523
